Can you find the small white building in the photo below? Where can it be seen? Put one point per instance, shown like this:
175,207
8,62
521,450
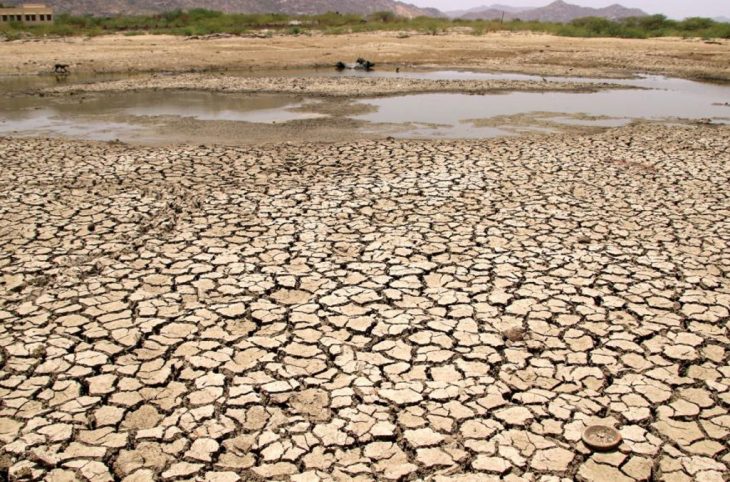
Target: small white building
31,13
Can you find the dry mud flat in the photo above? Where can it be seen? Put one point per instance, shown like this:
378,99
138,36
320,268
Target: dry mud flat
449,311
508,52
325,86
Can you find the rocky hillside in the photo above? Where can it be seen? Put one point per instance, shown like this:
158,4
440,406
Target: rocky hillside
558,11
487,8
303,7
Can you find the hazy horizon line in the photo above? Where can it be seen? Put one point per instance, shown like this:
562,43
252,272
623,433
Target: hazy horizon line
677,9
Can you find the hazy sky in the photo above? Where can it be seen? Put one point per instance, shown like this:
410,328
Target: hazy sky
671,8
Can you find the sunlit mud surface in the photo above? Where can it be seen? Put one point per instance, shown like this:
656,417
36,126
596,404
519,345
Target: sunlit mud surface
455,311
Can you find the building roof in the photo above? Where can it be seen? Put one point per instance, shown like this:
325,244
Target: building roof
25,6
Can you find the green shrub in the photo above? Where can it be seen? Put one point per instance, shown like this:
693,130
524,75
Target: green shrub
478,28
383,17
201,21
696,23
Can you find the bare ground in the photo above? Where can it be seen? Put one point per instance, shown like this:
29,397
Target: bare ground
530,53
344,87
369,311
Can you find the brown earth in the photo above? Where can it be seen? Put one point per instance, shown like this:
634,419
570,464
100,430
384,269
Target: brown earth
332,87
394,310
531,53
458,311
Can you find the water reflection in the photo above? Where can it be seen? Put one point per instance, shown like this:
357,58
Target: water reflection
126,115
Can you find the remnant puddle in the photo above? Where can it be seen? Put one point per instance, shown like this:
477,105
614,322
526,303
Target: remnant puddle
209,106
133,116
44,121
611,108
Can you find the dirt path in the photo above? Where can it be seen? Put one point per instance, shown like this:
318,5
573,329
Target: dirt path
530,53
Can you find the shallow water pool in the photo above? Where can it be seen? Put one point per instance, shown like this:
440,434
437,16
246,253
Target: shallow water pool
134,116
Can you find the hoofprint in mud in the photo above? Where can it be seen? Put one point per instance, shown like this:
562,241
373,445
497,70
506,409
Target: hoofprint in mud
346,311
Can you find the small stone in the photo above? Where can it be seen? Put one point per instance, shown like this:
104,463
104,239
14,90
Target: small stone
514,334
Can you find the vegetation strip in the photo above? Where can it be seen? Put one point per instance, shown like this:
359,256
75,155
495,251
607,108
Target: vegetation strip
196,22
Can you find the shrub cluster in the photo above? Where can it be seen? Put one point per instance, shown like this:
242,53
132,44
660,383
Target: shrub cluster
645,27
201,22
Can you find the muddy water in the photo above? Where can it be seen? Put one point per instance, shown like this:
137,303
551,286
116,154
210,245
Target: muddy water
152,116
455,115
135,116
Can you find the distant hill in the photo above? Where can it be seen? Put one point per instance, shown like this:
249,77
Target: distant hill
510,9
722,19
558,11
489,14
487,8
292,7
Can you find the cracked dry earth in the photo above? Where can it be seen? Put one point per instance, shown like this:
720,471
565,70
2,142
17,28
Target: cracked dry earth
383,310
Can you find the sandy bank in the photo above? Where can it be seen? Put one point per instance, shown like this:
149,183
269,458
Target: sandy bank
529,53
325,86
